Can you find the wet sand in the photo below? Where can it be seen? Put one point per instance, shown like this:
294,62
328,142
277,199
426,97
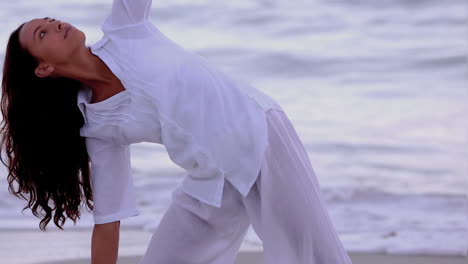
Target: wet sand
255,257
73,247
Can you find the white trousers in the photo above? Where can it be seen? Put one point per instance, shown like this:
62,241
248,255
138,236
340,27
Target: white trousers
284,206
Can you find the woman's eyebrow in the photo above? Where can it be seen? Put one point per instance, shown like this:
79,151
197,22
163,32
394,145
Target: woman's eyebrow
34,34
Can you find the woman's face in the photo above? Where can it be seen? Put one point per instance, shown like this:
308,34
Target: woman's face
50,41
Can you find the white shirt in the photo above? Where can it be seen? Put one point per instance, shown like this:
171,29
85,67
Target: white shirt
211,125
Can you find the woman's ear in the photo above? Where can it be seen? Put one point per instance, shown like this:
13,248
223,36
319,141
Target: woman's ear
44,70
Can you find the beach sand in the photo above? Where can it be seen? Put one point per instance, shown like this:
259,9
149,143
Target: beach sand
255,257
73,247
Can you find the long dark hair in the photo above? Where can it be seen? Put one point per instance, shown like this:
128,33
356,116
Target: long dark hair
40,134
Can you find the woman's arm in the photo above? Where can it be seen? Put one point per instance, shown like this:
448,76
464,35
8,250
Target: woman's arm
113,196
128,12
105,243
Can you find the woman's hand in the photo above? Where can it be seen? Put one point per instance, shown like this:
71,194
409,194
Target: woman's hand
105,243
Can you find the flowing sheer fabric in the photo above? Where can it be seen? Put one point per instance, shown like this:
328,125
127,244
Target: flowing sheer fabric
284,206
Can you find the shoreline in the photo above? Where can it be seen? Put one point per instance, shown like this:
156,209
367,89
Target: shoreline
255,257
73,247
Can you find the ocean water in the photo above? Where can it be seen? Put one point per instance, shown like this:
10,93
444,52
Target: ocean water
376,91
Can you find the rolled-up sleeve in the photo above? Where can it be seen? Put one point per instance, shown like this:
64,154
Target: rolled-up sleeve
111,181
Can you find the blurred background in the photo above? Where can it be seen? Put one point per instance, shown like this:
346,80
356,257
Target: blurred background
376,90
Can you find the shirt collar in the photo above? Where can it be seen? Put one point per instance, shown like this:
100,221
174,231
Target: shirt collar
83,98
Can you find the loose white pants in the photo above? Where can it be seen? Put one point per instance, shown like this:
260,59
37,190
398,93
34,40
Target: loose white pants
284,206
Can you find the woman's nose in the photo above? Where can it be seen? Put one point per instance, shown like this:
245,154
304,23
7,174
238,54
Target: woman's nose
58,25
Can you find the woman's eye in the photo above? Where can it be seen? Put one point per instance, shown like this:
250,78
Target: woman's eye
40,34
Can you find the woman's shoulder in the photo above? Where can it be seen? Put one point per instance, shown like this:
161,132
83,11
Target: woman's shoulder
98,114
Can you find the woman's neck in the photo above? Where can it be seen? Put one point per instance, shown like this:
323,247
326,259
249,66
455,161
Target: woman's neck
90,70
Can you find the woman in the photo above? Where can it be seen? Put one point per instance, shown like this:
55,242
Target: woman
63,101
